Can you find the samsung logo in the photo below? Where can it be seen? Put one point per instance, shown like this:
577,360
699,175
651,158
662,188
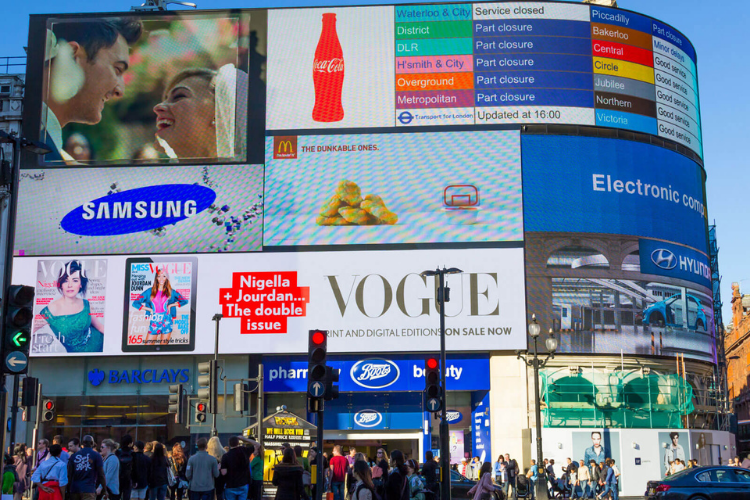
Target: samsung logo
138,210
368,418
375,373
664,259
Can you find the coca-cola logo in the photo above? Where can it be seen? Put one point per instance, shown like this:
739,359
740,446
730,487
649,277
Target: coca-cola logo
333,65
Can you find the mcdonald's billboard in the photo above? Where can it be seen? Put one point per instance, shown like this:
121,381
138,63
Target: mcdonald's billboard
285,147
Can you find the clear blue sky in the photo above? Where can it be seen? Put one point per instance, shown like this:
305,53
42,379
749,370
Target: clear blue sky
719,33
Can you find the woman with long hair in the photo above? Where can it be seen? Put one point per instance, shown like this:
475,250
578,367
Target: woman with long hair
287,476
350,481
159,479
380,471
485,487
160,303
257,466
364,488
178,463
396,487
500,474
23,468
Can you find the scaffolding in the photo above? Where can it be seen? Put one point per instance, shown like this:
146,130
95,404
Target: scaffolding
719,389
625,399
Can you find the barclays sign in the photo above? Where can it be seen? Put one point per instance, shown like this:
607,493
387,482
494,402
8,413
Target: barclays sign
148,376
375,373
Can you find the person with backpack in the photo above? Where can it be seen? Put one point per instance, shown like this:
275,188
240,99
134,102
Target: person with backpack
350,482
485,487
178,464
124,455
287,476
380,472
417,485
396,487
365,488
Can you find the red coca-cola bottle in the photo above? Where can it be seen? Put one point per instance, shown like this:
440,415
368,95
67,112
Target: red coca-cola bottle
328,74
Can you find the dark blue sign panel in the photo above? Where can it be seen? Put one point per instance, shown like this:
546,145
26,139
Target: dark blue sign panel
674,261
375,374
363,412
480,426
620,18
611,186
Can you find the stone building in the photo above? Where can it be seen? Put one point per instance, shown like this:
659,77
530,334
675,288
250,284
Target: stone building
737,348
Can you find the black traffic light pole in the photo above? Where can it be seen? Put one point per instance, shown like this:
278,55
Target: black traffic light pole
445,454
215,383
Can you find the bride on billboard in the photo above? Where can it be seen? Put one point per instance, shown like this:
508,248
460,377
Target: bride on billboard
203,114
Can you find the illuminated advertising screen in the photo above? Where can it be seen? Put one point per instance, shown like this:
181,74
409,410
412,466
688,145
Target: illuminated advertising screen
393,188
482,63
140,210
626,269
150,89
368,301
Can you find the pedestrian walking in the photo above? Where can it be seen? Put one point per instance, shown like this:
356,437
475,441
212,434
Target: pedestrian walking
287,477
85,471
305,464
396,488
64,455
140,472
430,472
10,476
316,459
511,467
158,477
533,476
339,466
584,479
202,470
257,471
51,477
111,470
416,484
23,469
235,467
380,472
124,454
178,464
216,450
365,488
485,488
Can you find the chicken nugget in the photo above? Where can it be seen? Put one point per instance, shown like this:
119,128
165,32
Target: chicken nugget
349,192
331,221
357,216
331,207
378,210
375,198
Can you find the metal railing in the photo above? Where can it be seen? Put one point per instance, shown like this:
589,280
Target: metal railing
12,64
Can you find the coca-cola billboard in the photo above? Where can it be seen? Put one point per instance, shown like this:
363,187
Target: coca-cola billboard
330,68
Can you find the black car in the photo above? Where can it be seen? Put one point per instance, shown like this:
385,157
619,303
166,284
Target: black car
460,486
702,483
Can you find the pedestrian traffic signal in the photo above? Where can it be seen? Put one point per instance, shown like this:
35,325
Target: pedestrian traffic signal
29,390
316,363
18,316
208,384
48,410
200,412
433,392
175,402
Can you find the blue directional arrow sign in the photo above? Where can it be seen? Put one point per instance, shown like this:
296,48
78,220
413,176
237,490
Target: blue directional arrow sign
16,362
433,404
316,389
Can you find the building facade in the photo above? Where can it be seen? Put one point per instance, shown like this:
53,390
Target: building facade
738,358
560,170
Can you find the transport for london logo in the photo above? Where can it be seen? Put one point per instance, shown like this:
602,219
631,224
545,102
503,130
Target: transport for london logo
664,259
375,373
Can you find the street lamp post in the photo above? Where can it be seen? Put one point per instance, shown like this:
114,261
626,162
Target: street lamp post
542,493
445,458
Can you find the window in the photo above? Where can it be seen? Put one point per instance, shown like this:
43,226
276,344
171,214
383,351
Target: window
5,89
723,476
703,477
743,476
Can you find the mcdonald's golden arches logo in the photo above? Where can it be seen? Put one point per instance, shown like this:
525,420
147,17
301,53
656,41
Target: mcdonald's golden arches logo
284,147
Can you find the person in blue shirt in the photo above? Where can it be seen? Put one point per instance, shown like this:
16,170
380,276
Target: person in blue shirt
596,451
533,475
609,481
64,455
51,474
85,471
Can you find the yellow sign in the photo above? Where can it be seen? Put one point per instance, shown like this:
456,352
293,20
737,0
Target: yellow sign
625,69
286,420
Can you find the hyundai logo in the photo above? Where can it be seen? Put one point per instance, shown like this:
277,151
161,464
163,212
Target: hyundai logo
405,117
664,259
368,418
374,373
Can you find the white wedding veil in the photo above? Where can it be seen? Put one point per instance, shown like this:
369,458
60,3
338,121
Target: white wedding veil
231,90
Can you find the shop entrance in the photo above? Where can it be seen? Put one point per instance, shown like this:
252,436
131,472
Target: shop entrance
409,443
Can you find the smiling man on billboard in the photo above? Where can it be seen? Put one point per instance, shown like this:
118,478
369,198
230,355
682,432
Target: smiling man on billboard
86,61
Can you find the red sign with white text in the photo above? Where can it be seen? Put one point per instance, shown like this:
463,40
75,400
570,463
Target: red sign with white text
264,300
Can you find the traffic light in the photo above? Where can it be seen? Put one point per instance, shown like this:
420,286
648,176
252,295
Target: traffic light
316,363
200,412
240,397
433,393
175,402
18,316
320,377
48,410
29,391
208,384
